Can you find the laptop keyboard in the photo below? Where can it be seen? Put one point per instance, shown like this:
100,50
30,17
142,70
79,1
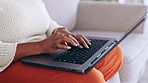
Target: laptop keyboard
78,55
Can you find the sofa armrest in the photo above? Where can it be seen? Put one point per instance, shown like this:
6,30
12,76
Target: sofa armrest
94,15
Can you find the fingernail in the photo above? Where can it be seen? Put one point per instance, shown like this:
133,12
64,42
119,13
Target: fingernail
68,47
78,44
75,44
81,47
86,46
89,43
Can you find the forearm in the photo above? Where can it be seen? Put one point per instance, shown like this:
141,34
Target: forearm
27,49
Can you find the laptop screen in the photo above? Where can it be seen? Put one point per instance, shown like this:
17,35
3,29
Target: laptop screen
133,27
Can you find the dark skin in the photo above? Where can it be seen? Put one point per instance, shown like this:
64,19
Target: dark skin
57,40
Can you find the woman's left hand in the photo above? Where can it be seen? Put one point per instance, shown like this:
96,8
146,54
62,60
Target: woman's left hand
83,40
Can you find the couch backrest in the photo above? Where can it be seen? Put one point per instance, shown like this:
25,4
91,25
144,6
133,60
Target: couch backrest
109,16
64,12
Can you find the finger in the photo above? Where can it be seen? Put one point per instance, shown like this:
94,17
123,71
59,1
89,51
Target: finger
80,46
75,36
64,43
74,39
65,47
69,36
80,38
69,40
86,40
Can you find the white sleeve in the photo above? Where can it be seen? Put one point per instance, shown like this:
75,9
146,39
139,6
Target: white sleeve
52,26
7,53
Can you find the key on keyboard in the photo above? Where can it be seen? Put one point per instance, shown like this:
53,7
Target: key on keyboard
78,55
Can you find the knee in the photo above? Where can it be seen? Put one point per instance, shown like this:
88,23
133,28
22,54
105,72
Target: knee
119,54
112,63
94,76
116,57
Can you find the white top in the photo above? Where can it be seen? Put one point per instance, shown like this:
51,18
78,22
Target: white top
22,21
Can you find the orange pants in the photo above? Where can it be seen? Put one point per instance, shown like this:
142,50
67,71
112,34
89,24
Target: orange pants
103,71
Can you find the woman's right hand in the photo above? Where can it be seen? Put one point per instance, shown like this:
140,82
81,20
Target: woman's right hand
57,41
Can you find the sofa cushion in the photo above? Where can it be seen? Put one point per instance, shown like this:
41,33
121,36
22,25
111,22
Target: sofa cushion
133,72
95,15
132,46
63,11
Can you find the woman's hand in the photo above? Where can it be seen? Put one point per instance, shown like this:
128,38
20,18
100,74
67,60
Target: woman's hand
83,40
60,40
57,41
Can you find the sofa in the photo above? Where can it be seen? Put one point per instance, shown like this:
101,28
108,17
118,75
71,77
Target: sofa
93,18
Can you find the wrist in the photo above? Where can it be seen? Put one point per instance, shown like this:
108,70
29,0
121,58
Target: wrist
39,47
58,29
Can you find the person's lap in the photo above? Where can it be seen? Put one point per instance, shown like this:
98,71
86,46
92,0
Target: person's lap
20,73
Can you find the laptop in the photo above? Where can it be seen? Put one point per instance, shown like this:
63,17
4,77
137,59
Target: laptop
77,59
